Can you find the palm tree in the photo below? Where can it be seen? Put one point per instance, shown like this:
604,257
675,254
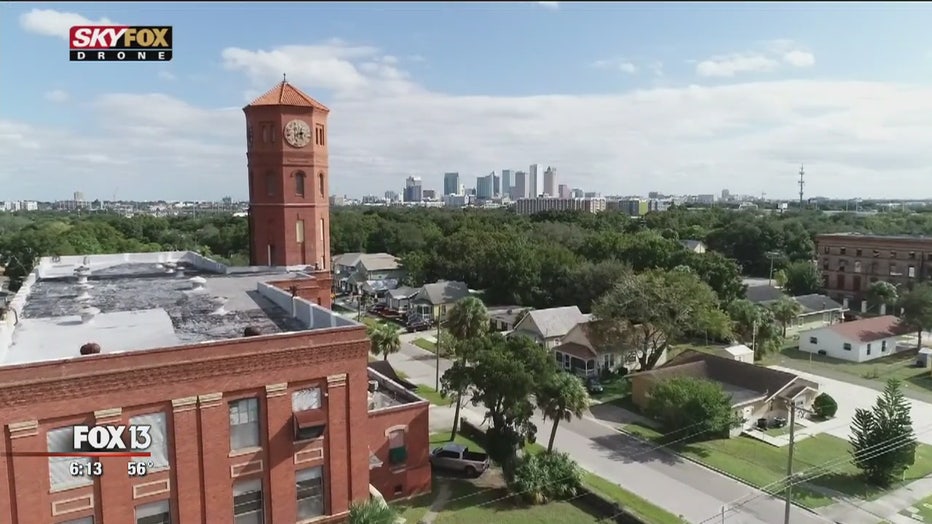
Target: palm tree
385,340
372,512
785,311
467,321
562,398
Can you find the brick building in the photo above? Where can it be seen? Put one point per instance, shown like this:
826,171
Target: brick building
261,405
850,262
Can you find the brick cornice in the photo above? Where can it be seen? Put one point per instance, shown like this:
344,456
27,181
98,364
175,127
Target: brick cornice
180,372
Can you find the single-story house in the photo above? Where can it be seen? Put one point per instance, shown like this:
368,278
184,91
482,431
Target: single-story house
434,301
857,341
505,318
696,246
351,271
816,311
549,326
756,392
763,295
399,299
579,353
738,352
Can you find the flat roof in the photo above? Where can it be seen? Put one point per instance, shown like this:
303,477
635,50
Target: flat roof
140,301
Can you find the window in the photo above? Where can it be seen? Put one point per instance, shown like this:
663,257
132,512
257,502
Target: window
244,424
266,132
158,431
842,250
876,253
883,346
824,263
894,271
912,255
269,184
397,452
846,346
911,271
299,231
319,137
247,502
155,513
825,250
813,340
61,440
856,283
310,484
857,266
868,349
321,184
841,265
322,228
85,520
857,252
305,399
893,254
299,179
840,282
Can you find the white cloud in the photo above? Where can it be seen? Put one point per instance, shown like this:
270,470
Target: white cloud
549,5
773,55
854,137
48,22
166,75
57,96
623,66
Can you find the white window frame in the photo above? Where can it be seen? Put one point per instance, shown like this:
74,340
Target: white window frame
158,431
152,511
61,440
244,420
251,516
306,399
309,475
85,520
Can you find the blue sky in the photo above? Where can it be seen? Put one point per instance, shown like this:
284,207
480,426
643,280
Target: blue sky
620,98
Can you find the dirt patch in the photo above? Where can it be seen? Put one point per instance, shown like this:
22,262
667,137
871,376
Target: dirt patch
491,479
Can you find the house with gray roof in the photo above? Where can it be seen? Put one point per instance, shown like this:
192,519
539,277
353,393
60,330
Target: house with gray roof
696,246
371,273
549,326
816,311
434,301
399,299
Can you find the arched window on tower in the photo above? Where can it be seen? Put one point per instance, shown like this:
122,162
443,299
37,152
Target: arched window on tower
269,184
320,181
299,178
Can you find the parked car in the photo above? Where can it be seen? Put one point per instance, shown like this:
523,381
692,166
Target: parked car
417,326
456,457
377,308
593,386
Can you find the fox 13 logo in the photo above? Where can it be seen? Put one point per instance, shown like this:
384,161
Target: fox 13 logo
120,43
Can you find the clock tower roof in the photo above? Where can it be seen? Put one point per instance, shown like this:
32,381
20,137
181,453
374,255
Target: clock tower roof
285,94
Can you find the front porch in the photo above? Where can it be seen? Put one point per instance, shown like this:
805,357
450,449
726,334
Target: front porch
580,360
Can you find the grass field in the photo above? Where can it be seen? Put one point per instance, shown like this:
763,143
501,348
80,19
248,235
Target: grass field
763,465
923,513
899,366
434,396
423,343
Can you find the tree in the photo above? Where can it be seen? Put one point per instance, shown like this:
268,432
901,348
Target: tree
562,397
649,311
882,439
503,376
385,340
467,321
544,477
779,278
689,402
802,278
755,325
824,406
372,512
882,293
917,310
785,311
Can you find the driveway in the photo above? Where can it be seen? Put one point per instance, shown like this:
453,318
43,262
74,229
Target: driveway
852,396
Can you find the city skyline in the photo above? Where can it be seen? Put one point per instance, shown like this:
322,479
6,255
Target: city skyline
739,106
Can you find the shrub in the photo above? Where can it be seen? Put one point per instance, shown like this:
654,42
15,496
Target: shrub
372,512
544,477
824,406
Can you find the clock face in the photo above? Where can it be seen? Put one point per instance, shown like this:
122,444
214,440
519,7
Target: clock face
297,133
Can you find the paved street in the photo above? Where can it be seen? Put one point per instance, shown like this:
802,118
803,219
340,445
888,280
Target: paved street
680,486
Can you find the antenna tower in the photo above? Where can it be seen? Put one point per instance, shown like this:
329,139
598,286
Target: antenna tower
802,184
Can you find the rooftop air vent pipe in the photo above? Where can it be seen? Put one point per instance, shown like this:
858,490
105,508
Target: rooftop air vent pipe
88,314
197,282
179,273
91,348
218,303
82,272
251,331
169,267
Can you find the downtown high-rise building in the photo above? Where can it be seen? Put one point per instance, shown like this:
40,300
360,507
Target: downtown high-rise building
519,188
414,189
451,183
507,177
485,187
535,177
564,191
550,182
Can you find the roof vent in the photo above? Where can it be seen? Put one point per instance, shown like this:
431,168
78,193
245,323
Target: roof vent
82,272
91,348
373,385
251,331
179,273
198,282
84,296
169,267
88,314
218,303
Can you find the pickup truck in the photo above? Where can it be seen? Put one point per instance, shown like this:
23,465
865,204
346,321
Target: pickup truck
456,457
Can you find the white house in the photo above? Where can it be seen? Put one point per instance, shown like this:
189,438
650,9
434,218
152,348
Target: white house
857,341
548,326
738,352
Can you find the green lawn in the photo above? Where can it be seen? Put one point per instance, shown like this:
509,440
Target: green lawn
434,396
371,322
613,388
925,511
779,432
763,465
423,343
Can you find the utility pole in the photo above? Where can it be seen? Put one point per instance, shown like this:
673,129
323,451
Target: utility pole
802,184
437,358
787,494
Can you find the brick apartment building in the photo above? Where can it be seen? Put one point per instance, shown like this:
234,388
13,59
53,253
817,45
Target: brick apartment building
261,405
850,262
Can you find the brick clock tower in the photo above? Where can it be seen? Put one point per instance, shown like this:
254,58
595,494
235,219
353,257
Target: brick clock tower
289,205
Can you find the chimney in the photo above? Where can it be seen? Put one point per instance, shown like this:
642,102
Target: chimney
91,348
88,314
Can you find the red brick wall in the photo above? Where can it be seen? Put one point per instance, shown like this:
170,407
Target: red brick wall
316,289
414,475
192,385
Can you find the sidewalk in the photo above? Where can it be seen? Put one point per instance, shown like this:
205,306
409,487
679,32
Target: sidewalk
886,507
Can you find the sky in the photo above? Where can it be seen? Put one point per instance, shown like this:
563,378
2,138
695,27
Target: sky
620,98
